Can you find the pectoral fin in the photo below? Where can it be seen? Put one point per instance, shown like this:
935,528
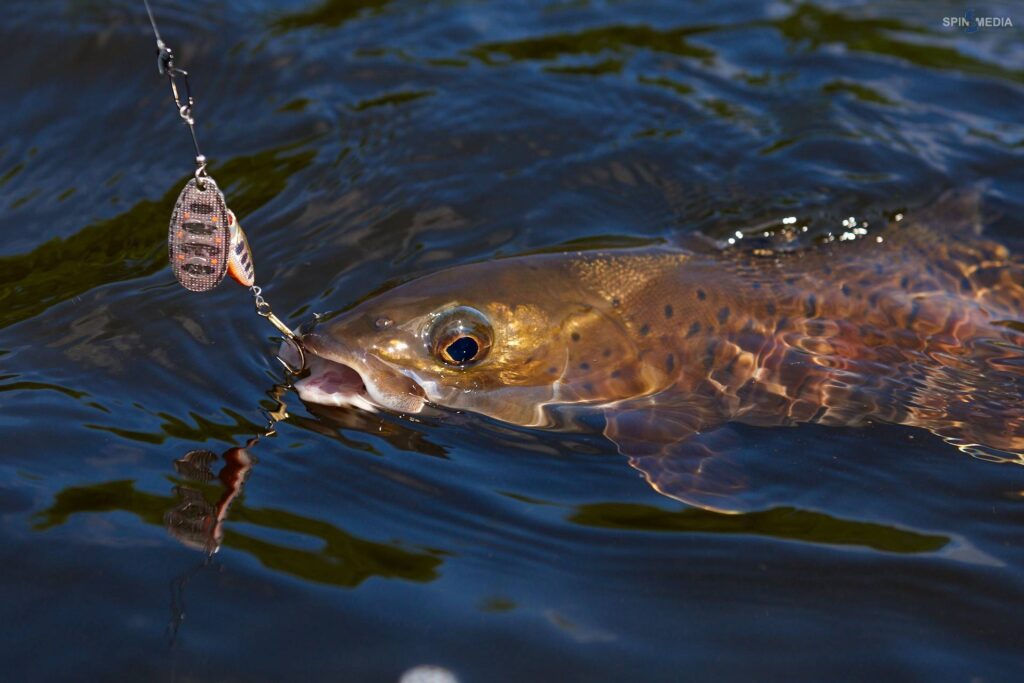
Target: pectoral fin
680,454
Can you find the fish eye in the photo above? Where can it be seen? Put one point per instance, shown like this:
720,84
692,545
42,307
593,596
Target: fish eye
462,350
460,337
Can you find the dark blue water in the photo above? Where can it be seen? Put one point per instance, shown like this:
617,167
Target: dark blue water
364,141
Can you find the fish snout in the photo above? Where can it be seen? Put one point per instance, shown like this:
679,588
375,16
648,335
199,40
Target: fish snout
342,376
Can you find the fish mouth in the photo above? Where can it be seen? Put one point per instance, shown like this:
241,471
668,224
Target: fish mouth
342,378
334,384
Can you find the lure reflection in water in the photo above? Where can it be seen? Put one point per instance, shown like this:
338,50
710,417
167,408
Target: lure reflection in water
671,345
195,521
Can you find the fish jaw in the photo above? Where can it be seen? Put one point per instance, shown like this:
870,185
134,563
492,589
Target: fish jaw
340,377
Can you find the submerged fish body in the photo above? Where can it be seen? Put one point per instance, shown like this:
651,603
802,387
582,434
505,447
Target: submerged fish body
919,325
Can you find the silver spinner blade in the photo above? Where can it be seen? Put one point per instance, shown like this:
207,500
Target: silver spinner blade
199,236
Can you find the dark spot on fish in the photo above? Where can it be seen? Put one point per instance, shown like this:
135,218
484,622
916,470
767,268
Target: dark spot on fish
756,285
815,328
709,354
575,336
873,299
731,366
584,366
606,353
694,329
904,281
769,308
791,280
915,310
616,302
723,314
865,282
811,306
929,268
845,289
701,295
530,359
670,362
552,371
668,310
878,269
644,329
616,374
827,270
965,284
588,387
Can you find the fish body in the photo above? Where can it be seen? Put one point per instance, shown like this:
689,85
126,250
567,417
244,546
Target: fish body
919,325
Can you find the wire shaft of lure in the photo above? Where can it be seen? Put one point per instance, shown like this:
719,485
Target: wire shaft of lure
183,99
185,103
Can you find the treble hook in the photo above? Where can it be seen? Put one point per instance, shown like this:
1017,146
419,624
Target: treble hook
263,309
291,370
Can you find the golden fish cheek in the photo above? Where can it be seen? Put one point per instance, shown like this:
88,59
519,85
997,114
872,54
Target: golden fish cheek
602,362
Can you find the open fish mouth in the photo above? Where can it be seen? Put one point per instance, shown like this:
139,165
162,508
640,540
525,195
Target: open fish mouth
334,384
345,380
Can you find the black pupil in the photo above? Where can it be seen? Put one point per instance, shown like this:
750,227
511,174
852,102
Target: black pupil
462,349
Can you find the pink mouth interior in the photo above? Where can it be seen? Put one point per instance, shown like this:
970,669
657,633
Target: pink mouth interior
333,384
338,378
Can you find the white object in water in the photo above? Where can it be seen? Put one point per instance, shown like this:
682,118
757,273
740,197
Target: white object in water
427,673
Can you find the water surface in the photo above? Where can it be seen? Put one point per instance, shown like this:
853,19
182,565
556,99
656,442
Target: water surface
365,141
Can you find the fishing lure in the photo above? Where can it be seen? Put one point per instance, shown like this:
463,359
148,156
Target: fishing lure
205,242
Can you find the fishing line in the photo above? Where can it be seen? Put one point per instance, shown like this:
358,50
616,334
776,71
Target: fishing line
205,241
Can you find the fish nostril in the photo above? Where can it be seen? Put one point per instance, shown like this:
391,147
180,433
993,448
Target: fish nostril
383,322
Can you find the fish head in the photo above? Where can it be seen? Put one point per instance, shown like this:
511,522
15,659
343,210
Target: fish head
505,339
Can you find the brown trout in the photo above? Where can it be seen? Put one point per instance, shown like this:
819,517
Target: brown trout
917,324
